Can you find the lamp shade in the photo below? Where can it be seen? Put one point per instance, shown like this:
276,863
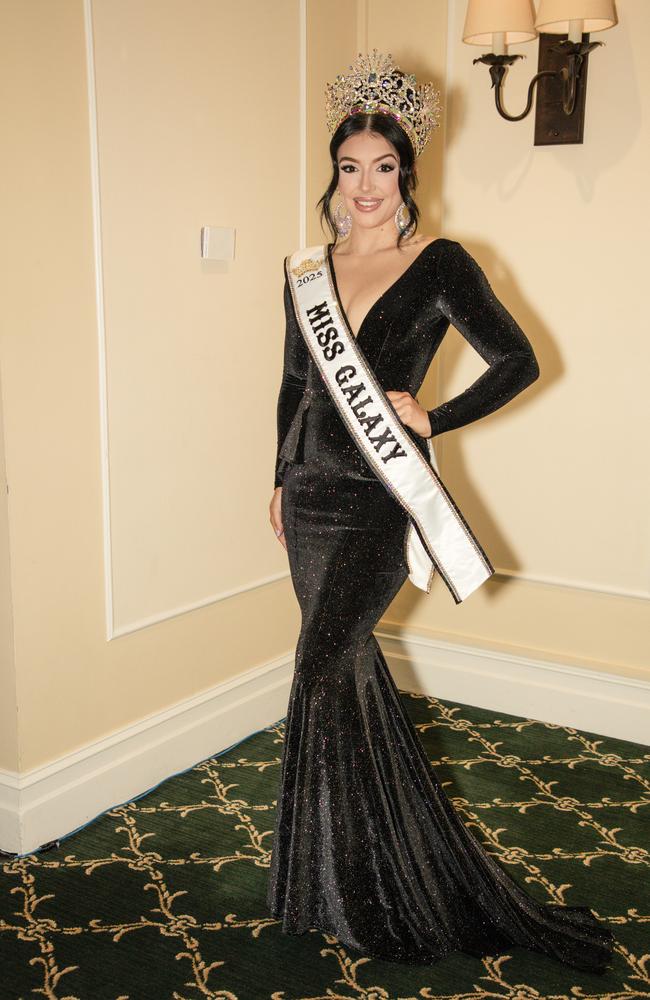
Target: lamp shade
554,15
485,17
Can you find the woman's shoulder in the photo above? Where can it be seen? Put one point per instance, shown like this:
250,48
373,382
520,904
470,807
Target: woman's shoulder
431,248
440,241
436,248
452,253
433,244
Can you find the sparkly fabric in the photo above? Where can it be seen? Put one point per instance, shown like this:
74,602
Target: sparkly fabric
367,846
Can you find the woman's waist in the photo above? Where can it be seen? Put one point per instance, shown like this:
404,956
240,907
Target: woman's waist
325,432
325,427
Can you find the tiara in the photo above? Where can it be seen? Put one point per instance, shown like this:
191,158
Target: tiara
375,84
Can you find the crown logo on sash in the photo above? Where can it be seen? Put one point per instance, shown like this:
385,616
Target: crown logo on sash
375,84
309,264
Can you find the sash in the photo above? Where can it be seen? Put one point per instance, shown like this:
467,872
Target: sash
438,535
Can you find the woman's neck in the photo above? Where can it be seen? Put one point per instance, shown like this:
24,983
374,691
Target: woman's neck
364,244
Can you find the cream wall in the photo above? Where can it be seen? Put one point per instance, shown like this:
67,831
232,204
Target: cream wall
138,567
8,707
190,345
125,509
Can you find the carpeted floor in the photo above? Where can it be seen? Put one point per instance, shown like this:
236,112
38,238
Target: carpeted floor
162,898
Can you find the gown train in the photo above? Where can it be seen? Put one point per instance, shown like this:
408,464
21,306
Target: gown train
367,846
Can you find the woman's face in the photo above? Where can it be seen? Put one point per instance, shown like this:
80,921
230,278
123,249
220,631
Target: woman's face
368,179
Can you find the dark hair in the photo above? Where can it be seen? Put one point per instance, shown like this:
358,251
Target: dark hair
387,127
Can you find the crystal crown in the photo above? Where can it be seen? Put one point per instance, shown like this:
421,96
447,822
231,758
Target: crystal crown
375,84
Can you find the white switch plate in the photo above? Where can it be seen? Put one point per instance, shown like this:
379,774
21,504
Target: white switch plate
217,243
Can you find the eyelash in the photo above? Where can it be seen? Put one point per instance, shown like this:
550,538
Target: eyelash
352,167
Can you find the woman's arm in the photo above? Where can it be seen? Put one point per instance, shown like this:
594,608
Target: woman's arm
467,300
294,379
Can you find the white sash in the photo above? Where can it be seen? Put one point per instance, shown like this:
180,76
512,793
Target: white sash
438,535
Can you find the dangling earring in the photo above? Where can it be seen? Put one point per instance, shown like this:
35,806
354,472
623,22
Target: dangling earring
402,222
343,223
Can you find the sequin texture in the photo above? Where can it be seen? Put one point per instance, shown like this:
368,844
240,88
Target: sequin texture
367,846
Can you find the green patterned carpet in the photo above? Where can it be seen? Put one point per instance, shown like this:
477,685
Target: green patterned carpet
162,898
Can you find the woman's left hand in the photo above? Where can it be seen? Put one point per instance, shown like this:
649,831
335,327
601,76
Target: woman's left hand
410,412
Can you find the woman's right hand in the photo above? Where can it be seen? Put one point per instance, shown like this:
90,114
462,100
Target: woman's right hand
275,509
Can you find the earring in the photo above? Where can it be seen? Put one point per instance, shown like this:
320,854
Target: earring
403,222
343,223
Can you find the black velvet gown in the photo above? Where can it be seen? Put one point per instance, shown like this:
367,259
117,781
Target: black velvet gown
367,846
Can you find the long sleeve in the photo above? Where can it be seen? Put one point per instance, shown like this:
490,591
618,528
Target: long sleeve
294,379
466,298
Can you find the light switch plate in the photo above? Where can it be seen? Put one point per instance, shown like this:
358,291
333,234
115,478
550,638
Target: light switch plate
217,243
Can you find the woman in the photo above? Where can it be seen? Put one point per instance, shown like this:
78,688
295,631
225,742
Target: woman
367,845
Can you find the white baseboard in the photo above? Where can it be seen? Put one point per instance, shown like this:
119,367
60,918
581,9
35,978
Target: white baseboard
53,801
602,703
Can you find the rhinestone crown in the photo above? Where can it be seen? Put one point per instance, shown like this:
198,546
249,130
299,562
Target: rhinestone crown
375,84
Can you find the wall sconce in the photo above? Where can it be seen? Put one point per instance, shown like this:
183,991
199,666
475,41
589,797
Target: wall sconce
562,63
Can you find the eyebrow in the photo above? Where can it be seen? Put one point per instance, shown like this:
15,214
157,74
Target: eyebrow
372,161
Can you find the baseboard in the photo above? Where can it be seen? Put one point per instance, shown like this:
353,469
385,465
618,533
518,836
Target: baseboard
53,801
596,702
57,799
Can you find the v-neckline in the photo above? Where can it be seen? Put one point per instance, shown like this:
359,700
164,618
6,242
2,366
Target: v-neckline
330,258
